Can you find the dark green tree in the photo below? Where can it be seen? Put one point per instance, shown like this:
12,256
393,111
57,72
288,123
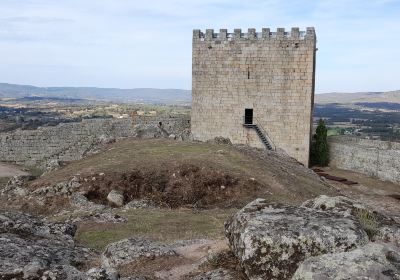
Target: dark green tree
321,149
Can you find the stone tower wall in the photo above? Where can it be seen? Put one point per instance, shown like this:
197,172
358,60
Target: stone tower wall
270,72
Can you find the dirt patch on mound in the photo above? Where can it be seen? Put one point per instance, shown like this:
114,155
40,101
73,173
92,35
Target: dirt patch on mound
175,186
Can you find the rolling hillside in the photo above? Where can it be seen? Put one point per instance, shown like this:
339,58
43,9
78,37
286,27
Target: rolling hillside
147,95
357,97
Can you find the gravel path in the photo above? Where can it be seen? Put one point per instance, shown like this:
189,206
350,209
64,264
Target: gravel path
8,170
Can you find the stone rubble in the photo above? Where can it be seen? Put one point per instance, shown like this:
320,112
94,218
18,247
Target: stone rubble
116,198
144,203
271,240
132,249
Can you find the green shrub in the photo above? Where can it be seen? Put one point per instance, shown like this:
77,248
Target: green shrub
319,154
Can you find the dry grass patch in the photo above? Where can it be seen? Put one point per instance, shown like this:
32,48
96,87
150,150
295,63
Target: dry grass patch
159,224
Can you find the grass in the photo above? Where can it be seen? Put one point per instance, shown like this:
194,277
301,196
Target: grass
158,224
332,132
283,180
368,221
3,181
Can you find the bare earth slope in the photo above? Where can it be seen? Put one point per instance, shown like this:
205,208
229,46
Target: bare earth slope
182,173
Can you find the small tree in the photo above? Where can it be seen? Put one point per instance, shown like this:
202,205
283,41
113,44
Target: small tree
321,149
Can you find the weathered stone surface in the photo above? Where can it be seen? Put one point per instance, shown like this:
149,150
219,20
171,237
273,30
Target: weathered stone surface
140,204
238,71
16,185
81,202
389,233
26,225
102,274
337,204
31,248
72,141
380,159
372,261
218,274
116,198
385,228
271,240
65,272
130,250
52,165
62,188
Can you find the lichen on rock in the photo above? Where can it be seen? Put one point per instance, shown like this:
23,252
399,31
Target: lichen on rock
271,240
372,261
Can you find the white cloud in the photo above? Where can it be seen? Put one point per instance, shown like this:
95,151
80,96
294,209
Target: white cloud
122,43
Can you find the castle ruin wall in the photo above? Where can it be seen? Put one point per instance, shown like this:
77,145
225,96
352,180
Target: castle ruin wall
379,159
72,141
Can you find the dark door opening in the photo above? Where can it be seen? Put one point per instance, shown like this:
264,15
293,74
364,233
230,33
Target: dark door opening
248,116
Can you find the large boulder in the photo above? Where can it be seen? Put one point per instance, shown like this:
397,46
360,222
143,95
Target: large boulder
31,248
116,198
132,249
271,240
372,261
378,226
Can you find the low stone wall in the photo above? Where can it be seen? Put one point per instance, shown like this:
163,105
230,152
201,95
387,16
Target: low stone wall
72,141
380,159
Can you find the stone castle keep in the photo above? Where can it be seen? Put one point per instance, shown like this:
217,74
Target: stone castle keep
255,88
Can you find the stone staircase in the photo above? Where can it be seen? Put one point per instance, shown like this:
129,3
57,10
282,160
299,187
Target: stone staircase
262,134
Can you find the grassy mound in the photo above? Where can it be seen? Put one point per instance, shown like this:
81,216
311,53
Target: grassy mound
175,174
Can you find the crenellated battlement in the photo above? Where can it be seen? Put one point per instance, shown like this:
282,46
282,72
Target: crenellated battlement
251,34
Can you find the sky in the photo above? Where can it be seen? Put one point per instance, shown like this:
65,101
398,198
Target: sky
137,44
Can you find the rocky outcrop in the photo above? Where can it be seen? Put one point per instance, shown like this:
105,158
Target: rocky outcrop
102,274
16,185
217,274
378,226
337,204
372,261
81,203
43,248
132,249
62,188
271,240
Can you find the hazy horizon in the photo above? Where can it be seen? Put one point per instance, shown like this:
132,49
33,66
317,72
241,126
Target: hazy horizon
185,89
132,44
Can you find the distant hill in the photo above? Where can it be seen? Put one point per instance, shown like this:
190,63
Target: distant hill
146,95
358,97
166,96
